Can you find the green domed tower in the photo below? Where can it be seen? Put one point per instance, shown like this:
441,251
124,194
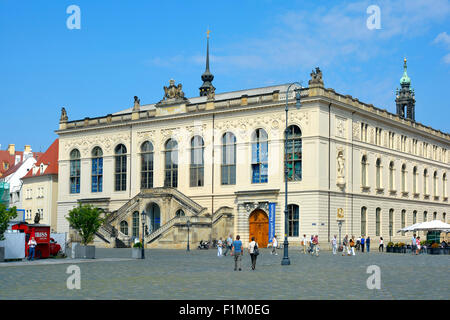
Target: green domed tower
405,97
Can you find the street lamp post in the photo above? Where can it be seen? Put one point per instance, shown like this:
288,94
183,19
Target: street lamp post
286,261
340,227
188,225
143,234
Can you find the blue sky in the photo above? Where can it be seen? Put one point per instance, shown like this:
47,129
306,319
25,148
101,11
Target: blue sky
128,48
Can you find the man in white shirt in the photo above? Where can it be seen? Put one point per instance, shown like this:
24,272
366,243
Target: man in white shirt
305,243
31,248
334,244
219,247
274,245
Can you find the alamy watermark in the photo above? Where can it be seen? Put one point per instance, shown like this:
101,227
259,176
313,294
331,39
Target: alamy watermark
74,280
374,20
374,280
74,20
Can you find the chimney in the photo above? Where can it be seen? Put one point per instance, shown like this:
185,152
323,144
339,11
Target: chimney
27,149
11,149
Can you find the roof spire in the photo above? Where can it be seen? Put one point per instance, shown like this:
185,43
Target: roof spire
207,89
405,80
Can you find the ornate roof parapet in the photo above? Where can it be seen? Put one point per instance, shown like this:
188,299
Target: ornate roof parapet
137,104
136,108
316,78
63,119
173,94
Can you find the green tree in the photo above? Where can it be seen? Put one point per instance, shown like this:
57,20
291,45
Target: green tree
86,219
5,216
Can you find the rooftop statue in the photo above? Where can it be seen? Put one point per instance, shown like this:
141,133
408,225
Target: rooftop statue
63,115
316,78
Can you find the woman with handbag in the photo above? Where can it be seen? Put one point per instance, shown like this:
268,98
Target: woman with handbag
254,252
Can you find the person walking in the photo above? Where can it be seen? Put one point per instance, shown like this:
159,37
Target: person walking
358,243
219,247
237,252
418,246
316,245
274,245
229,244
334,244
345,246
381,246
31,248
304,243
254,251
368,244
362,243
413,244
352,245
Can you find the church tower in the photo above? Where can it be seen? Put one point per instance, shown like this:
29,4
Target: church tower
405,97
207,89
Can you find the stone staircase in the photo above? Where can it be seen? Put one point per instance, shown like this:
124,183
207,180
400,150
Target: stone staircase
109,234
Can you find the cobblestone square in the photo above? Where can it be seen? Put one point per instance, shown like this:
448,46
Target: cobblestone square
200,274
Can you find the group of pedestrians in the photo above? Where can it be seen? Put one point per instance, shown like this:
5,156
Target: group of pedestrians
350,246
237,251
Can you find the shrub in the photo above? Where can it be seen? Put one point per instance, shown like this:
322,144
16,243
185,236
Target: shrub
86,220
390,244
435,245
6,215
423,242
137,245
401,244
396,245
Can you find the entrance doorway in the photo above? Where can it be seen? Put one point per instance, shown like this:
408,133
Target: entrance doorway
259,227
154,217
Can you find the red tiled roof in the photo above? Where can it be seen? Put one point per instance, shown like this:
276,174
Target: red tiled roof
5,157
49,158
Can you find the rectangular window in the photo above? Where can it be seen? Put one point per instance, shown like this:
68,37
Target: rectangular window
75,176
378,222
293,219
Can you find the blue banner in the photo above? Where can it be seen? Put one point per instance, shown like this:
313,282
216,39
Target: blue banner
271,221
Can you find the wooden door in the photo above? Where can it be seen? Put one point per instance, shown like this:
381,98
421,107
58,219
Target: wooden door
259,227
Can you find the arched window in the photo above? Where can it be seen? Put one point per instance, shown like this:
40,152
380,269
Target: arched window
391,176
415,180
259,156
136,224
120,174
97,170
124,227
444,185
377,221
403,220
293,220
404,178
378,173
425,216
364,171
434,215
147,165
294,153
75,171
228,159
171,164
444,217
425,182
414,216
363,221
179,213
435,184
197,169
391,221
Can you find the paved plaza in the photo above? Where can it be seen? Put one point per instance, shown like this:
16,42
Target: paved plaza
200,274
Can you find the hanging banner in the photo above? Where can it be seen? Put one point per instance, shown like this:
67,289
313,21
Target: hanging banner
271,221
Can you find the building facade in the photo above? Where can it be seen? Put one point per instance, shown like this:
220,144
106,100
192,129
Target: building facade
214,164
40,188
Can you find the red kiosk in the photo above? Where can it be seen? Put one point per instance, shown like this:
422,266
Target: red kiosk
46,246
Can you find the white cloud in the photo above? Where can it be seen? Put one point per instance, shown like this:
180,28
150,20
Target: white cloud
327,35
444,38
446,58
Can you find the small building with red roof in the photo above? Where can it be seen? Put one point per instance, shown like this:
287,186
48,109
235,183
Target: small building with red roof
40,188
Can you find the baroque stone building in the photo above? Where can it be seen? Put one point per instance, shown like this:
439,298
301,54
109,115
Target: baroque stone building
217,161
